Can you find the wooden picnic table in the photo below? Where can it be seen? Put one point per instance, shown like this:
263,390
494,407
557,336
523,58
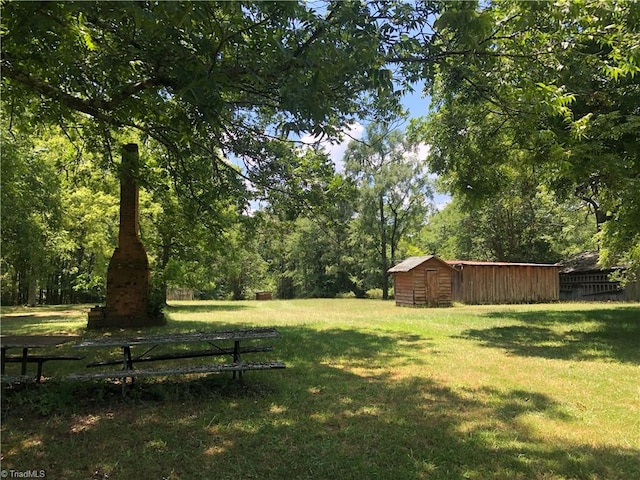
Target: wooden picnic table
27,342
227,342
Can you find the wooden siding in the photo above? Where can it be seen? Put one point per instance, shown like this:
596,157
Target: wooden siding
632,292
428,284
583,278
419,288
595,286
403,288
180,294
503,283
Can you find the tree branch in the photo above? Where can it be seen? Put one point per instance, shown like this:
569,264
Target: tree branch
470,51
75,103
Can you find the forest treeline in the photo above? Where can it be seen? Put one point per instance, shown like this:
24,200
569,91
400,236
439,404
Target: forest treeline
60,225
533,129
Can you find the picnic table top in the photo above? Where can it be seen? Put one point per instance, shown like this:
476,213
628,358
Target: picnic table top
34,341
192,337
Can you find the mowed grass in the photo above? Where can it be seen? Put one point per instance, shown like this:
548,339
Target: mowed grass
371,391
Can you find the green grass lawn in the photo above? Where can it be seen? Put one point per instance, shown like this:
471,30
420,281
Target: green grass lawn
371,391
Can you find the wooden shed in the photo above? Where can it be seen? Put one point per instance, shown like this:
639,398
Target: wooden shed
422,281
582,278
502,282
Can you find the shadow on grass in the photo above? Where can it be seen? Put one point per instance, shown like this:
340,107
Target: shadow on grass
331,414
353,348
597,334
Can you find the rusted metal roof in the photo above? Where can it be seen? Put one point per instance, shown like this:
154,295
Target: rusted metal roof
498,264
412,262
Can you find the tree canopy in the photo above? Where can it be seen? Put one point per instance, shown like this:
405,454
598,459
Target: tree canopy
548,90
394,192
535,109
220,79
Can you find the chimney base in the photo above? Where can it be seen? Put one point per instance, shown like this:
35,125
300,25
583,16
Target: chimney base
103,317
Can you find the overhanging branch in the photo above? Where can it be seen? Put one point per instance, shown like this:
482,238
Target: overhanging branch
54,93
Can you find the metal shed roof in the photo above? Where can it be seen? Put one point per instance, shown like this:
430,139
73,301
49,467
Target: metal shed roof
498,264
412,262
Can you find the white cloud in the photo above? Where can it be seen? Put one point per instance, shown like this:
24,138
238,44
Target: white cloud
422,151
440,199
418,152
337,149
355,131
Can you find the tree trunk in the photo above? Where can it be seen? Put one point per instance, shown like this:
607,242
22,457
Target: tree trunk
167,244
384,261
31,301
237,289
15,289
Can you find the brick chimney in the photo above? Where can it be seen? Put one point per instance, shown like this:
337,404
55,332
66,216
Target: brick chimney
128,275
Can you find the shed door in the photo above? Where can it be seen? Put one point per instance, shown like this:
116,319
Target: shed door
431,281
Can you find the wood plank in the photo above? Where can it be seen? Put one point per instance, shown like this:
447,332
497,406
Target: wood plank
39,358
187,354
174,338
212,368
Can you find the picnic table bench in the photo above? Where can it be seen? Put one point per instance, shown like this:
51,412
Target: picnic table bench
25,343
219,343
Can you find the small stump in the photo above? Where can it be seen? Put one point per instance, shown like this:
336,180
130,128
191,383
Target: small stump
263,296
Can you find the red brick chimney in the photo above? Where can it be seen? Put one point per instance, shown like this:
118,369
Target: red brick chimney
128,275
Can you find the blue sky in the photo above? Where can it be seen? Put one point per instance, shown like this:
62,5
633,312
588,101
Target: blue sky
416,105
